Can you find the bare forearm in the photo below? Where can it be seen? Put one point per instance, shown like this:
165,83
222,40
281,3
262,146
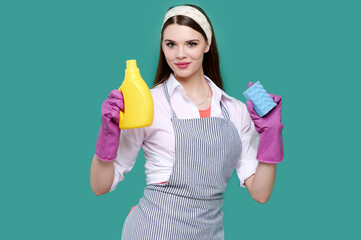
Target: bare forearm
260,185
101,176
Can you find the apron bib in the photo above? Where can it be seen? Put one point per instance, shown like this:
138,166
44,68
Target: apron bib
189,205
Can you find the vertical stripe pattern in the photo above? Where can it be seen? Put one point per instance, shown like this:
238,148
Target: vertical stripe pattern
189,205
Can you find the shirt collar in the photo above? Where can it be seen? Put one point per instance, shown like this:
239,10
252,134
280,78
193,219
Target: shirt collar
173,85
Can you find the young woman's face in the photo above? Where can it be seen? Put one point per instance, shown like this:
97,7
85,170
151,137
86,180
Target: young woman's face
183,49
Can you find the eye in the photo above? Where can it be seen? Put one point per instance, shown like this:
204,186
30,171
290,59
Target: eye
170,44
192,44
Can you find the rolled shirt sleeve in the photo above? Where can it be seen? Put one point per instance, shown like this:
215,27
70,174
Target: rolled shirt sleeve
247,164
130,142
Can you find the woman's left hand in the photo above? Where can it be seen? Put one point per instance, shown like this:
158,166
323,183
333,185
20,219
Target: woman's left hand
269,127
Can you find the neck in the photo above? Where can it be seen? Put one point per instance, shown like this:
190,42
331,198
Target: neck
197,89
195,86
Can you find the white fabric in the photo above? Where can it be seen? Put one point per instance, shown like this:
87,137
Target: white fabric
193,13
157,140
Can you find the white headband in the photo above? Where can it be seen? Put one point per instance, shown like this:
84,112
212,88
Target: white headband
193,13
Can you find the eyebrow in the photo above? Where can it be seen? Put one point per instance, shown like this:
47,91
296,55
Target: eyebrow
192,40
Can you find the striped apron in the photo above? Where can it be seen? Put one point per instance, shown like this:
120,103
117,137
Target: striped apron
189,205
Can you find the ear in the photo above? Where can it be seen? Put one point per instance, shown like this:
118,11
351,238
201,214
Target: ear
207,47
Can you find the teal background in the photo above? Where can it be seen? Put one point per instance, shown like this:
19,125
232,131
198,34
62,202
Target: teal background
60,59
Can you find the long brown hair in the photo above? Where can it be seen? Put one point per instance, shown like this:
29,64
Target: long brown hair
210,60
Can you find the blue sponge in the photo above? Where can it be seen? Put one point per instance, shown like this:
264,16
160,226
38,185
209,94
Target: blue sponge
262,102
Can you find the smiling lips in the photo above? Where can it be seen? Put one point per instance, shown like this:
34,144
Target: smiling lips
182,65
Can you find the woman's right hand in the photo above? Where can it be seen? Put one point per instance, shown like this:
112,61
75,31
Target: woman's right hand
109,132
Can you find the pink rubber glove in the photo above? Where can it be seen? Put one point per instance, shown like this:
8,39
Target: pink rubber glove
109,132
269,127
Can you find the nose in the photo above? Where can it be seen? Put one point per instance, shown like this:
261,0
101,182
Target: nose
180,52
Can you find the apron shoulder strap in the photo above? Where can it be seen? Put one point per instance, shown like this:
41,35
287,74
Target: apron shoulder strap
168,99
224,111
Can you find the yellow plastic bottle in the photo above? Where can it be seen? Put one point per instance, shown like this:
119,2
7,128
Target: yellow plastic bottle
138,101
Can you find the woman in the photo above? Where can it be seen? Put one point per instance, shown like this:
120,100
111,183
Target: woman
198,137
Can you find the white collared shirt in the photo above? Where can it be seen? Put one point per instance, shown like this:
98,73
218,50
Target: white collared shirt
158,143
